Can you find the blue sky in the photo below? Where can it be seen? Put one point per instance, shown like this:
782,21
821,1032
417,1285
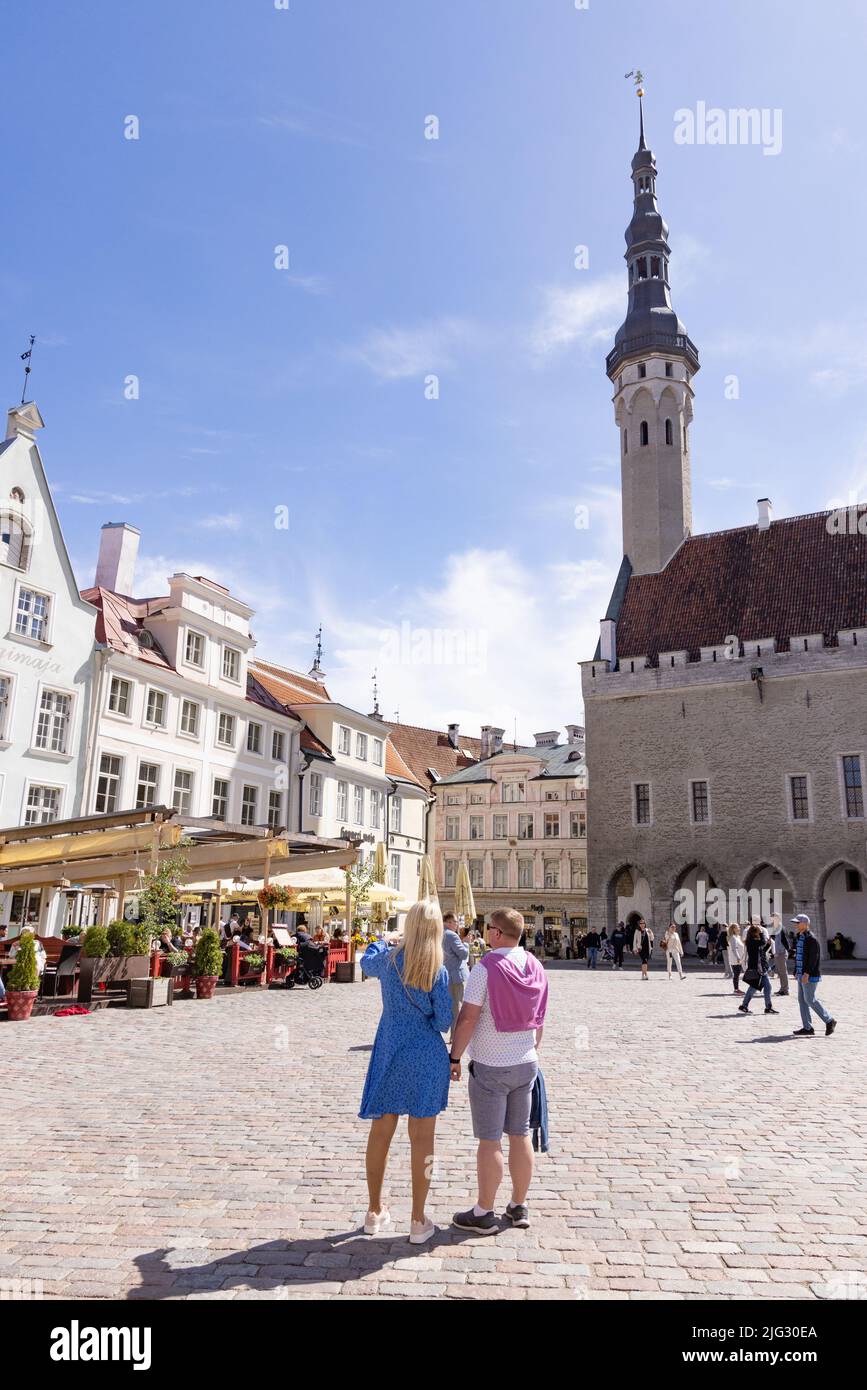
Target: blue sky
434,539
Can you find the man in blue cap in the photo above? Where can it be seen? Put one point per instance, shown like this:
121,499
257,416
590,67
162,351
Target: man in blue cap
809,974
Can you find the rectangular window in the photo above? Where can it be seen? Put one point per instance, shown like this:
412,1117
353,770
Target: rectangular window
194,649
453,827
578,874
453,800
314,804
275,810
52,724
342,801
343,739
577,825
501,873
254,738
525,827
120,696
853,881
799,797
477,827
220,799
642,803
525,873
226,730
108,783
512,791
377,752
552,873
853,786
395,813
361,747
43,805
249,805
182,795
31,616
451,870
552,825
155,713
394,872
476,868
231,664
190,718
700,803
501,827
358,805
147,786
476,799
278,746
5,702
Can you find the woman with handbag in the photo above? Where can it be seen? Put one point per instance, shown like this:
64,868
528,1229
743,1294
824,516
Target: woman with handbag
409,1066
756,975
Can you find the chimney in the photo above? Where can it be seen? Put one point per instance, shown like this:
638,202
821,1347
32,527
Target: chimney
575,735
485,740
24,420
608,641
548,739
764,506
118,548
497,736
453,735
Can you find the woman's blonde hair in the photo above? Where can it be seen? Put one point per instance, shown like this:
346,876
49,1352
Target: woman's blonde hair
422,945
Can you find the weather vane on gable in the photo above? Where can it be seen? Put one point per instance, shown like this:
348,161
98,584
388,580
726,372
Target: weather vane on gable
25,357
638,78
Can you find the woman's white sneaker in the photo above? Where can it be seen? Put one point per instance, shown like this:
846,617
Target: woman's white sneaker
375,1222
420,1231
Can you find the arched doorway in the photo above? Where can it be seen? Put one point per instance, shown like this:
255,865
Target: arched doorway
770,892
628,897
689,894
842,899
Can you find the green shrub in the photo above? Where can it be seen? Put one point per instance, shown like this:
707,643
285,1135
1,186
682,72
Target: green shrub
253,961
208,955
176,957
120,938
142,939
24,973
96,942
69,933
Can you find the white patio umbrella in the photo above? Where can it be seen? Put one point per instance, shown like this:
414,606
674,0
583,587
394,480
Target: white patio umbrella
465,905
427,887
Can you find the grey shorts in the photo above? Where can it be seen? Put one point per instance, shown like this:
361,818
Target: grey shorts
500,1099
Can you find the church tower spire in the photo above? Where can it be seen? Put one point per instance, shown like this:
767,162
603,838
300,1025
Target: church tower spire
651,367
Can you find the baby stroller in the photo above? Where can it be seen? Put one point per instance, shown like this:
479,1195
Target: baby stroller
309,968
607,953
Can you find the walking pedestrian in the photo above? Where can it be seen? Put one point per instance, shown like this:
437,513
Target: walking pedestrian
409,1066
722,946
808,969
701,940
781,953
673,947
592,941
736,954
756,975
618,941
455,955
642,945
500,1027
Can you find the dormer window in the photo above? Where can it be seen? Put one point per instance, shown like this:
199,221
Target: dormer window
231,664
14,540
194,649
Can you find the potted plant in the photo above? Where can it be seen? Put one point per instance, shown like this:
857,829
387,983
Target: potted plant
207,963
113,955
252,963
70,933
23,982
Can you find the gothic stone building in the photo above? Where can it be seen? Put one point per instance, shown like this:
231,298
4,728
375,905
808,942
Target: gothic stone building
726,705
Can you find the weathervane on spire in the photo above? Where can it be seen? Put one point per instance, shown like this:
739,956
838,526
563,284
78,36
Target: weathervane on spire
25,357
638,78
375,695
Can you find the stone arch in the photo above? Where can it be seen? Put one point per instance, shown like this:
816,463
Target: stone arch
627,893
768,878
694,911
841,908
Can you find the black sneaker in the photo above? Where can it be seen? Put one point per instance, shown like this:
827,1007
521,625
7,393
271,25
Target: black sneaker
829,1027
742,1009
518,1216
486,1225
772,1011
804,1033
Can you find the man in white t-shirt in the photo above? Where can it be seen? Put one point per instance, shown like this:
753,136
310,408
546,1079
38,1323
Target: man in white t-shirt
503,1068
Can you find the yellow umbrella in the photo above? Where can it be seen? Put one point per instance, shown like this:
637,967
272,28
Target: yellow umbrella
426,882
380,863
464,902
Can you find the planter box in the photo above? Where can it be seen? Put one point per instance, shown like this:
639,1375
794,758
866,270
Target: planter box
344,973
149,993
112,971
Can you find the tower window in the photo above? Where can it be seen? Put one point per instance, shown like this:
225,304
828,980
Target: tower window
626,441
642,267
654,267
685,443
669,369
643,433
642,370
669,437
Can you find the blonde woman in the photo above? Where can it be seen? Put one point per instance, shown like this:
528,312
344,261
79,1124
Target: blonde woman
409,1066
673,947
736,951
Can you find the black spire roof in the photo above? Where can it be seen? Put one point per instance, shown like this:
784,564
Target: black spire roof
651,324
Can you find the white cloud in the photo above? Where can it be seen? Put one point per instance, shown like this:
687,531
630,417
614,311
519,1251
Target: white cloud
587,313
395,353
226,521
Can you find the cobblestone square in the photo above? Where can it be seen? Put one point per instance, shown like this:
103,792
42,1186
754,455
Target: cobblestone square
213,1151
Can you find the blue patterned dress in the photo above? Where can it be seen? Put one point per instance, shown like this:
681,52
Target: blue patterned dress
409,1065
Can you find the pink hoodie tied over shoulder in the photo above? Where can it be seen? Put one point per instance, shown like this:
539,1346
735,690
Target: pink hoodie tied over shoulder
517,994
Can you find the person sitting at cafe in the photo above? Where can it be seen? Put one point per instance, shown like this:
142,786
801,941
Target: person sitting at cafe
169,942
41,957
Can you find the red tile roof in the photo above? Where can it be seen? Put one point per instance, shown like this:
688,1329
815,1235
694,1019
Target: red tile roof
422,749
290,686
311,744
794,578
396,767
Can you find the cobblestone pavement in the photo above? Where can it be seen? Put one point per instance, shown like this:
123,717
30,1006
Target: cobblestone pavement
213,1151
